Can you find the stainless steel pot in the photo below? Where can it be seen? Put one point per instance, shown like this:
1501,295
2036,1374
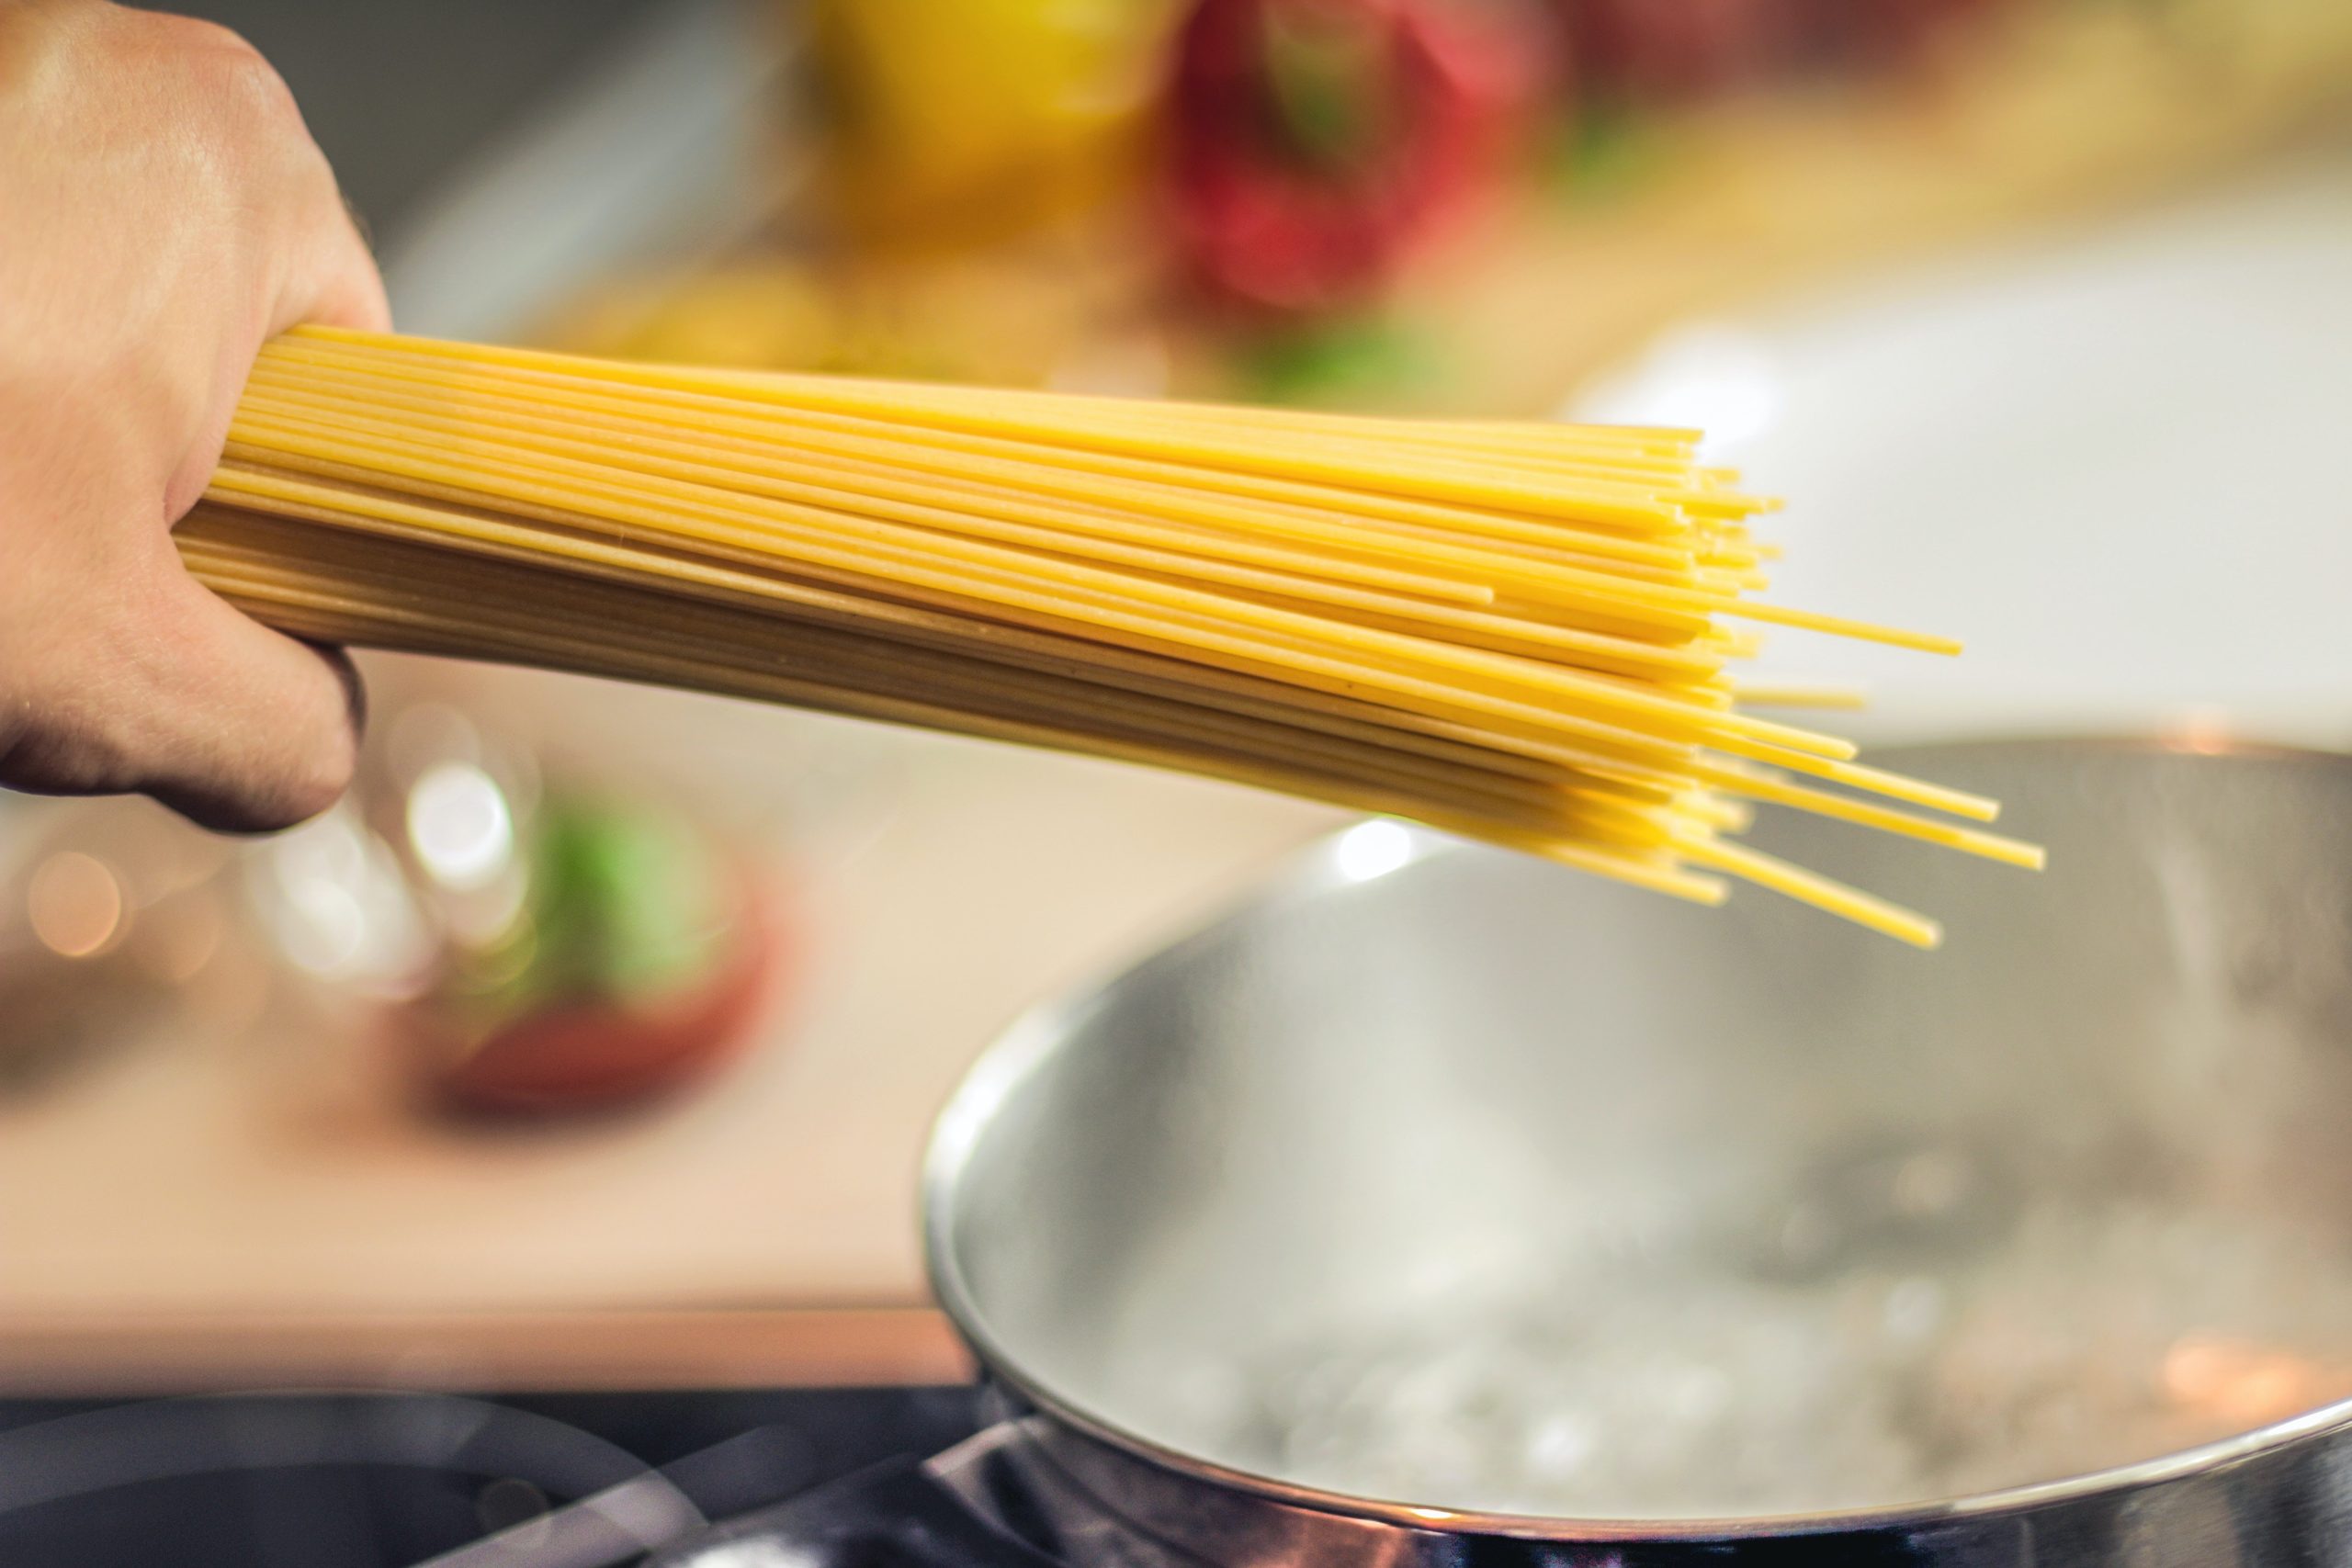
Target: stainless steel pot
1418,1078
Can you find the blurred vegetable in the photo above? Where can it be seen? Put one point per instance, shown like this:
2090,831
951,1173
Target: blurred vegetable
635,963
954,120
1344,362
1316,142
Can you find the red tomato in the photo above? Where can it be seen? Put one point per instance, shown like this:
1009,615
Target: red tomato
1314,142
592,1055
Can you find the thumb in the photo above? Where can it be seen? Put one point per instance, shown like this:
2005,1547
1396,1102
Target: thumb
251,729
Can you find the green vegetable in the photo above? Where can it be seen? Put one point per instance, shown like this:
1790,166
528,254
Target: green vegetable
623,907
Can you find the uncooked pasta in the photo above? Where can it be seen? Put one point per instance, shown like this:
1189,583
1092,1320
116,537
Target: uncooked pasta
1520,632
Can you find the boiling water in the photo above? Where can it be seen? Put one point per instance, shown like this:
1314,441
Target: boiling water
1723,1384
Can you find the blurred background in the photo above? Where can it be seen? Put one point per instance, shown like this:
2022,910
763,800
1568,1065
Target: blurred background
592,1041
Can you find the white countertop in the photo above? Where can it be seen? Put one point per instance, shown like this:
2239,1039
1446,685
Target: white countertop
2109,461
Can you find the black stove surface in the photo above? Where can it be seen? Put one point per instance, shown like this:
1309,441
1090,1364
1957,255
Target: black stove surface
378,1481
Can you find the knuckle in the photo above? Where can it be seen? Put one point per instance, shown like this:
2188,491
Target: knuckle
220,44
234,75
252,86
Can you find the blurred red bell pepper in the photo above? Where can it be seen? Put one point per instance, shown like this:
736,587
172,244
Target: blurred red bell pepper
1316,142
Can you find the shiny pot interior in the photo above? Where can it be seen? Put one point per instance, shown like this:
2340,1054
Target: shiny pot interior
1439,1176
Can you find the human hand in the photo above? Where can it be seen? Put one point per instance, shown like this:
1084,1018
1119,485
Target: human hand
163,212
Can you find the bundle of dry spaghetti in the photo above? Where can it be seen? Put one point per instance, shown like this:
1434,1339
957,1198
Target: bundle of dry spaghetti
1517,632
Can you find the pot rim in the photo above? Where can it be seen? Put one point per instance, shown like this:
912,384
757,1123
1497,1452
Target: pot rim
1042,1032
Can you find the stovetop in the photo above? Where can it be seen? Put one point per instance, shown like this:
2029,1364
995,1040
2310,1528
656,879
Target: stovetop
390,1481
881,1478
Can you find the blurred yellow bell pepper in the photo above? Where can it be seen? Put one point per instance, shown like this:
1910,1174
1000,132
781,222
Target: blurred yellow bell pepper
955,121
